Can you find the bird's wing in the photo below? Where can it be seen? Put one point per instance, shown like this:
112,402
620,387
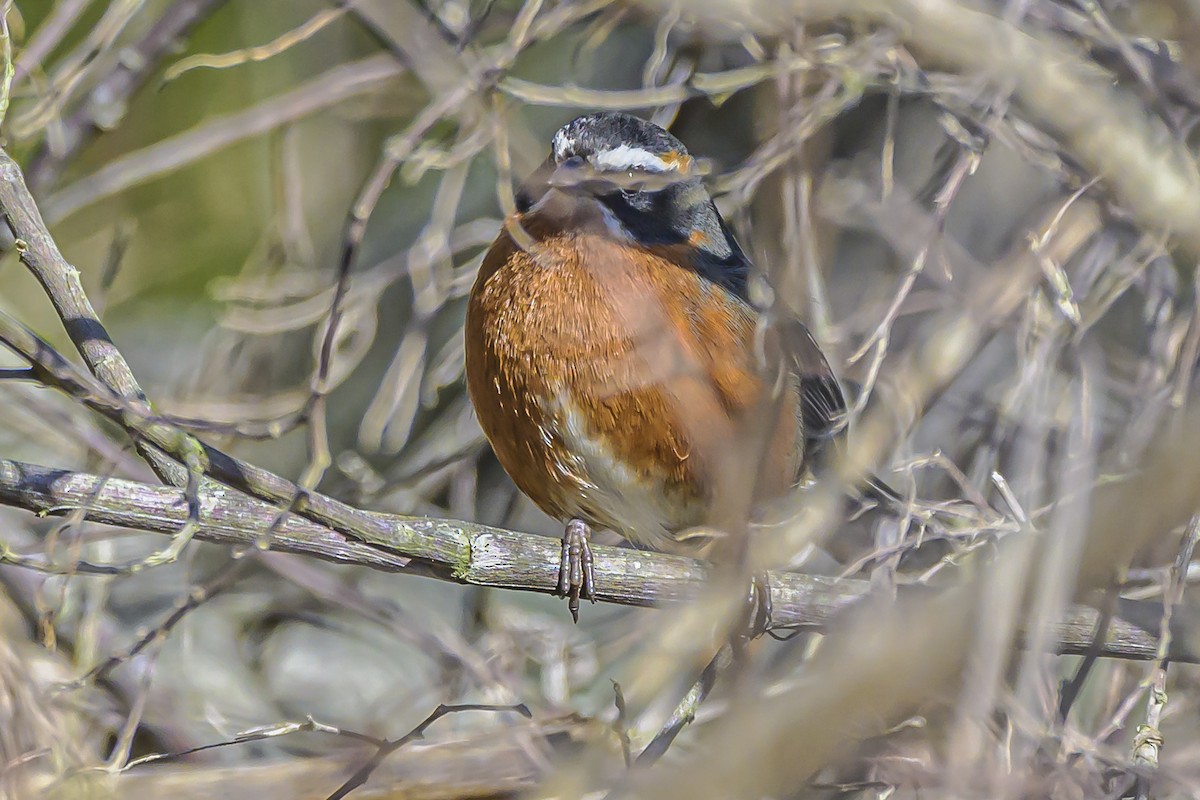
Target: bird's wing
823,409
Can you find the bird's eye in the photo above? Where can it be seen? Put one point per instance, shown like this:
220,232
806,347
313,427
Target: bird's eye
634,181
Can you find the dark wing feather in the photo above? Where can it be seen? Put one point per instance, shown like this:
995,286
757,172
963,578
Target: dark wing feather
823,407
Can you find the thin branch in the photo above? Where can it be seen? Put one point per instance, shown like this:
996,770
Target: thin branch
483,764
256,53
128,73
260,734
48,36
387,748
164,157
196,597
1070,690
61,282
1149,739
6,80
685,712
1134,155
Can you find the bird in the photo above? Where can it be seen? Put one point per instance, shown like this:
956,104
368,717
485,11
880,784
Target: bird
615,361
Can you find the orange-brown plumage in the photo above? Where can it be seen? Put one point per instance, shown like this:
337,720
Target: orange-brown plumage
657,368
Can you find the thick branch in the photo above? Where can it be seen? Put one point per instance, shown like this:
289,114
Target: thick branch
481,555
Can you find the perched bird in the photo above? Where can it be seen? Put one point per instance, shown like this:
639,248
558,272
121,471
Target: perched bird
614,358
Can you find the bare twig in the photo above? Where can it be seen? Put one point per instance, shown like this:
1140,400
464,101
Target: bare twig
1135,156
6,79
331,87
871,673
685,712
291,38
195,598
482,765
259,734
1070,689
62,284
48,36
388,747
1149,738
127,74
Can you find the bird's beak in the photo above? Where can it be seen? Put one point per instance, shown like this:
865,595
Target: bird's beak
577,176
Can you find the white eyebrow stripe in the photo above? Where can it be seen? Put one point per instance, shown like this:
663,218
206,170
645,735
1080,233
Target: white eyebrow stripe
625,157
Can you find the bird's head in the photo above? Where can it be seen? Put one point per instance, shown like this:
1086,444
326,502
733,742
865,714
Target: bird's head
627,153
639,179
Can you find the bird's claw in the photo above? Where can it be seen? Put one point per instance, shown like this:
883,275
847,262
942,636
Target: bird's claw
576,577
758,606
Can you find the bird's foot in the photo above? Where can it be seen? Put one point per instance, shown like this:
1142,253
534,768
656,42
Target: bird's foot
575,575
758,606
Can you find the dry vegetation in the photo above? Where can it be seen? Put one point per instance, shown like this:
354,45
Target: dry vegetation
241,236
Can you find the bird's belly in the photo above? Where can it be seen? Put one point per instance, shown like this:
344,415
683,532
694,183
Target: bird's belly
642,504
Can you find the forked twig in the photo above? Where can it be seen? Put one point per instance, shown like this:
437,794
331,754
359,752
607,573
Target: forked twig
386,748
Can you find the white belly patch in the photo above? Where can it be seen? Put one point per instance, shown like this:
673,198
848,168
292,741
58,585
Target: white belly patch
636,506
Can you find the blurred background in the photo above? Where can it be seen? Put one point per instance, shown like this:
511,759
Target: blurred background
900,172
